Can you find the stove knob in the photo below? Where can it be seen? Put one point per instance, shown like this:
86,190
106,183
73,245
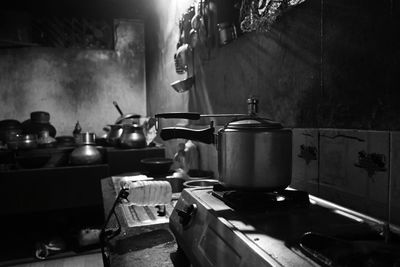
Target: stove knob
186,214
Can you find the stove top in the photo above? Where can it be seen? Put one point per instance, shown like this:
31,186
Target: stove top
262,201
228,228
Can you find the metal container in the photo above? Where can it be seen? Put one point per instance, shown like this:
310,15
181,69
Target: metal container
132,136
227,33
253,153
40,117
114,134
200,183
86,153
157,165
9,129
23,141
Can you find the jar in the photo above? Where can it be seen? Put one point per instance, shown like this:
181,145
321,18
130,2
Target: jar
86,153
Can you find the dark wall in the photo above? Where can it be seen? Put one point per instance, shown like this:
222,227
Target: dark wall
324,63
360,65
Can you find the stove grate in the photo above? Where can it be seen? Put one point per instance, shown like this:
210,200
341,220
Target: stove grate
262,201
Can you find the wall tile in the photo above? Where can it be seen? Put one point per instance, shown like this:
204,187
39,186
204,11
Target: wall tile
353,169
208,158
305,160
395,178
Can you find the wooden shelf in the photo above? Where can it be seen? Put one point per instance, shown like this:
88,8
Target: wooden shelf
45,189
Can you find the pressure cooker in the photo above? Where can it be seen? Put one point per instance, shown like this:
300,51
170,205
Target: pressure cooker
254,153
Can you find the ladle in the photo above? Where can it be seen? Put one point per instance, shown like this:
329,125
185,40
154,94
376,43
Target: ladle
123,116
117,107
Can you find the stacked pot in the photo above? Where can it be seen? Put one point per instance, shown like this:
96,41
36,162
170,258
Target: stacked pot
9,129
39,122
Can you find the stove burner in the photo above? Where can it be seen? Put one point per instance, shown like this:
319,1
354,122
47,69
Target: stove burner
261,201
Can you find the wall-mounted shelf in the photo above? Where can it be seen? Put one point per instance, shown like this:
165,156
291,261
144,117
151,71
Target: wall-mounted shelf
13,44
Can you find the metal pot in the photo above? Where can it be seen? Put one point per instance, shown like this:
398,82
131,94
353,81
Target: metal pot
40,117
114,134
157,165
125,118
253,153
30,127
86,153
201,183
132,136
23,141
227,33
9,129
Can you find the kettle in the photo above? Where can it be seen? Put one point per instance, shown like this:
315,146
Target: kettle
132,136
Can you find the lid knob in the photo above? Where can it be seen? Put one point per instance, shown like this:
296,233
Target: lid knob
252,106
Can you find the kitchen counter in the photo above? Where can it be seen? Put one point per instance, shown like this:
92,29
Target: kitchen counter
146,246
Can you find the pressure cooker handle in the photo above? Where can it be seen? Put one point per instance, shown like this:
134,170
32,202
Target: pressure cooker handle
205,135
179,115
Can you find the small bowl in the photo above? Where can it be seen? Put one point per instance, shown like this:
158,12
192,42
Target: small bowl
201,183
183,85
157,165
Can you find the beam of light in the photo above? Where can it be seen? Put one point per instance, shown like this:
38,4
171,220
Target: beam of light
352,217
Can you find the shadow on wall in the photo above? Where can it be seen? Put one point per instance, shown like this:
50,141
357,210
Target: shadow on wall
320,66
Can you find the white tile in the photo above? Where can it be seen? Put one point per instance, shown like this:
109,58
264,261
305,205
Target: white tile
349,176
305,160
395,178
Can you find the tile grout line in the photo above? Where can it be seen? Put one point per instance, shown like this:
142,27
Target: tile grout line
389,195
318,161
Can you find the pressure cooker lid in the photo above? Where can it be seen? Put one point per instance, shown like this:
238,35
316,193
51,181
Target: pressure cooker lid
254,123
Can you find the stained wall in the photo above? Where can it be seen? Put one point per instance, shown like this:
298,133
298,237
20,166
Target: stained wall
76,84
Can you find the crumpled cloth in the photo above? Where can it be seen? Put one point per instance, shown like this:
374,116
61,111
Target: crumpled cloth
259,15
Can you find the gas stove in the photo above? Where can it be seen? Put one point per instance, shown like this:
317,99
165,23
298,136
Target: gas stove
223,227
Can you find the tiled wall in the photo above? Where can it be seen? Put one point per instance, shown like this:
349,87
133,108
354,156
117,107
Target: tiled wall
354,168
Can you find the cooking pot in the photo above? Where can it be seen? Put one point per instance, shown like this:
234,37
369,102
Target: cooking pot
157,165
40,117
132,136
9,129
201,183
23,141
125,117
87,152
31,127
114,134
253,153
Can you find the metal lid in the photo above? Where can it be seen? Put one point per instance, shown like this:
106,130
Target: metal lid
253,123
